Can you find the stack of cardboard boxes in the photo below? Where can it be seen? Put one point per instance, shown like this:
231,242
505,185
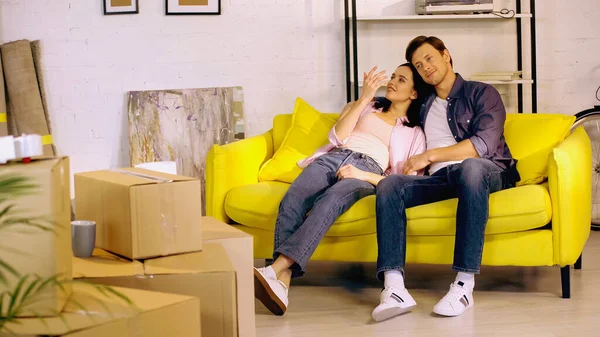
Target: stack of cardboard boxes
187,275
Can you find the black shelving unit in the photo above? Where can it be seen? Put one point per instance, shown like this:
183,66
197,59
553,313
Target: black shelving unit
350,23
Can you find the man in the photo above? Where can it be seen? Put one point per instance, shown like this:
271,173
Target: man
467,157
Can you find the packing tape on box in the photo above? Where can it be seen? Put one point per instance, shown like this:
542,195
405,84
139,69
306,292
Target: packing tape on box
47,140
168,221
2,117
144,176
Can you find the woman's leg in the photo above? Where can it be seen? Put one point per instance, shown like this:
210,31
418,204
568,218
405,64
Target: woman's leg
314,180
271,283
300,246
281,266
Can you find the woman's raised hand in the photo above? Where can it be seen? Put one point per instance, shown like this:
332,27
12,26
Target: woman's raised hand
371,82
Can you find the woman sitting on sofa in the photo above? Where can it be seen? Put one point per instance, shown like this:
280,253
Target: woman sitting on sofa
372,138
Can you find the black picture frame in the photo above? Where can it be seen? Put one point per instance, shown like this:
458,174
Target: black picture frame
216,12
105,7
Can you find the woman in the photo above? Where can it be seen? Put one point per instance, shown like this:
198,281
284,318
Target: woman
372,138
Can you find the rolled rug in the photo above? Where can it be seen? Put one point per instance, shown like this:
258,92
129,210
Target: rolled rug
24,98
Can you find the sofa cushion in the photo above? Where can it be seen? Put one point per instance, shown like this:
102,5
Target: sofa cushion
531,138
516,209
283,122
308,132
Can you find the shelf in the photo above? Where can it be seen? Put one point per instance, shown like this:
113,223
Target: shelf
360,83
508,82
440,17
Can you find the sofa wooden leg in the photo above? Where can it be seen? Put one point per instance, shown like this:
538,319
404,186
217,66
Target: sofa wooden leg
578,263
565,281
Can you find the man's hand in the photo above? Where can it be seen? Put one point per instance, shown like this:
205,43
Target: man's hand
349,171
416,163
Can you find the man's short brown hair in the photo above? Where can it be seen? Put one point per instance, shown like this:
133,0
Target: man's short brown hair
421,40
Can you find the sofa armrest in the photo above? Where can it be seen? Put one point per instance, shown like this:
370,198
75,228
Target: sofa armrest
233,165
570,181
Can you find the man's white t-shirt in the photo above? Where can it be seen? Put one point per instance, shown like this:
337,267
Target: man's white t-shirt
437,131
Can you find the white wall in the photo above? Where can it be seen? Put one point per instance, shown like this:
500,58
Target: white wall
276,49
568,54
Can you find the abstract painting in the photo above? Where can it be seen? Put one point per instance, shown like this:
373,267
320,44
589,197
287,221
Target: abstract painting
182,126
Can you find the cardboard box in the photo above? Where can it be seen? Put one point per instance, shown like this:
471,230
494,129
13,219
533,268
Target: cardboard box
105,264
239,248
139,213
31,250
152,315
207,275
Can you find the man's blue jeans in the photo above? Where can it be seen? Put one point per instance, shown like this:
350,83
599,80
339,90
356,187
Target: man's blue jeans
471,181
315,200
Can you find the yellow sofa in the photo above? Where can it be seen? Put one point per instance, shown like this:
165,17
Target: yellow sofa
540,223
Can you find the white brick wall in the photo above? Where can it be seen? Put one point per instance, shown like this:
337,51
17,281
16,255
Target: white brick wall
276,49
568,55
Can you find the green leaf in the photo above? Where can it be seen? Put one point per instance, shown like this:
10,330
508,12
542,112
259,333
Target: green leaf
36,314
6,210
9,268
2,328
41,285
3,278
31,222
12,185
64,320
118,294
2,296
15,294
86,311
30,288
15,251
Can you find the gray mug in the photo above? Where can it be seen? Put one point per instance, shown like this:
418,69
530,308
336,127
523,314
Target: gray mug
83,235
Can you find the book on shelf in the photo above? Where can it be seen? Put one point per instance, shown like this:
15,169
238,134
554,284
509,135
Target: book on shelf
497,76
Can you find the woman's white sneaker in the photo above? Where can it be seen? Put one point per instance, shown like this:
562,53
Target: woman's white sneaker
456,301
393,302
270,291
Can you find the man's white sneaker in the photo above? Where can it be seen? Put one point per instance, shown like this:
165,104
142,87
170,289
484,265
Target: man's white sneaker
456,301
270,291
393,302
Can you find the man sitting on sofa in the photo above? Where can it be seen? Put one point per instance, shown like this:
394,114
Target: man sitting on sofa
467,157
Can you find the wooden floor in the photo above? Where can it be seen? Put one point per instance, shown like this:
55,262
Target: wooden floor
509,301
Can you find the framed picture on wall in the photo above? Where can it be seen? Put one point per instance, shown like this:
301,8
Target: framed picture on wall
121,7
193,7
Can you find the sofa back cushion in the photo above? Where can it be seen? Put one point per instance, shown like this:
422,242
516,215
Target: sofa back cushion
307,132
531,138
282,124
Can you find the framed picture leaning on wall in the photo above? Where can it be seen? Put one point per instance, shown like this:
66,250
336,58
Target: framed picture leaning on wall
120,7
193,7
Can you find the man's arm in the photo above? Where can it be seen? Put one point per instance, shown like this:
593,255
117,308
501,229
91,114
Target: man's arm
459,151
488,123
